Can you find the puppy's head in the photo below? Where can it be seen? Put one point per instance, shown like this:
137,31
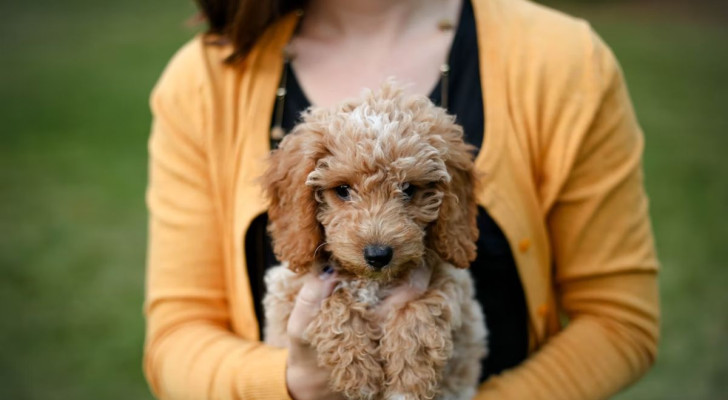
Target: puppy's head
371,184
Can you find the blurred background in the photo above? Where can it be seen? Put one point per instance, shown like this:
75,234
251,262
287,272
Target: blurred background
75,77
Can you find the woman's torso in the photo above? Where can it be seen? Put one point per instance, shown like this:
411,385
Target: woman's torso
498,285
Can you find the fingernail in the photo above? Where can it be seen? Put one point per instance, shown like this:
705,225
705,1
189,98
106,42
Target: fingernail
326,272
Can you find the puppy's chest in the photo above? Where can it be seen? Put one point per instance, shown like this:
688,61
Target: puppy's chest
365,293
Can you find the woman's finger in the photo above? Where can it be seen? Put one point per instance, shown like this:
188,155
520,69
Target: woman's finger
315,289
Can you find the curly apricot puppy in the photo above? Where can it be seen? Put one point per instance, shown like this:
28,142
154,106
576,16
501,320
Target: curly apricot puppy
375,188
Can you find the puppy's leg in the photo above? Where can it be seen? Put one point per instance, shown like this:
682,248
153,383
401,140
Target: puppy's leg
346,342
282,287
460,378
417,343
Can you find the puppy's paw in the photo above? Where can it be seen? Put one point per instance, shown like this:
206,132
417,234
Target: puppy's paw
416,348
346,342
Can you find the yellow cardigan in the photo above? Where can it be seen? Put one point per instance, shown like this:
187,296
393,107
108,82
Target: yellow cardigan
561,162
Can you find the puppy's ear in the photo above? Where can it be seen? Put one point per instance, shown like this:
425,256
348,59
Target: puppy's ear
455,231
292,206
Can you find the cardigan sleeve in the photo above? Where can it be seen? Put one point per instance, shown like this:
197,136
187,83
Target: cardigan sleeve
190,350
604,263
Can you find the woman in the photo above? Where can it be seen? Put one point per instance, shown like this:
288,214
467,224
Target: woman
564,225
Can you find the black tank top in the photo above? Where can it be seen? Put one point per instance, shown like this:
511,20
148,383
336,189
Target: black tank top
498,286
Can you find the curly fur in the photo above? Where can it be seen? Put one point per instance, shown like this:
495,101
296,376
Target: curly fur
378,145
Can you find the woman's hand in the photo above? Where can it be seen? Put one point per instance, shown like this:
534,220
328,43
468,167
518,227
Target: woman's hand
304,378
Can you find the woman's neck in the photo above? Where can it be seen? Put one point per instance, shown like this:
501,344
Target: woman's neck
343,46
351,19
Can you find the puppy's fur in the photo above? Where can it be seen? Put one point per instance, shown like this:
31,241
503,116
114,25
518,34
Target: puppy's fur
385,170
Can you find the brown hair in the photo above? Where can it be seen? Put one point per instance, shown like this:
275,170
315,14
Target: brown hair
243,21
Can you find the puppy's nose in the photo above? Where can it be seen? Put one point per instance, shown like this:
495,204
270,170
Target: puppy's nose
378,256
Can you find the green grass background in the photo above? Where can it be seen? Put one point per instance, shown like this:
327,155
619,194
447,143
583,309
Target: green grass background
75,77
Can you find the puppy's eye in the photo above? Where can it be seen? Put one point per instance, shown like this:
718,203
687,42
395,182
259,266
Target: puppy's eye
408,190
344,192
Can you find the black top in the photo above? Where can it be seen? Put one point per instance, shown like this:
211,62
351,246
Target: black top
498,286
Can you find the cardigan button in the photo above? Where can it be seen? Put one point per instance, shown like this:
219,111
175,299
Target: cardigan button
524,245
543,310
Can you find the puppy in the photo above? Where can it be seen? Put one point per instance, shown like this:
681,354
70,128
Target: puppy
377,188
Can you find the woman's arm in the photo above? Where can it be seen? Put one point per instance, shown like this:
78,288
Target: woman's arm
190,351
605,268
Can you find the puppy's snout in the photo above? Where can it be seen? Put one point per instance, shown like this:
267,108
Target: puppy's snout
378,256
